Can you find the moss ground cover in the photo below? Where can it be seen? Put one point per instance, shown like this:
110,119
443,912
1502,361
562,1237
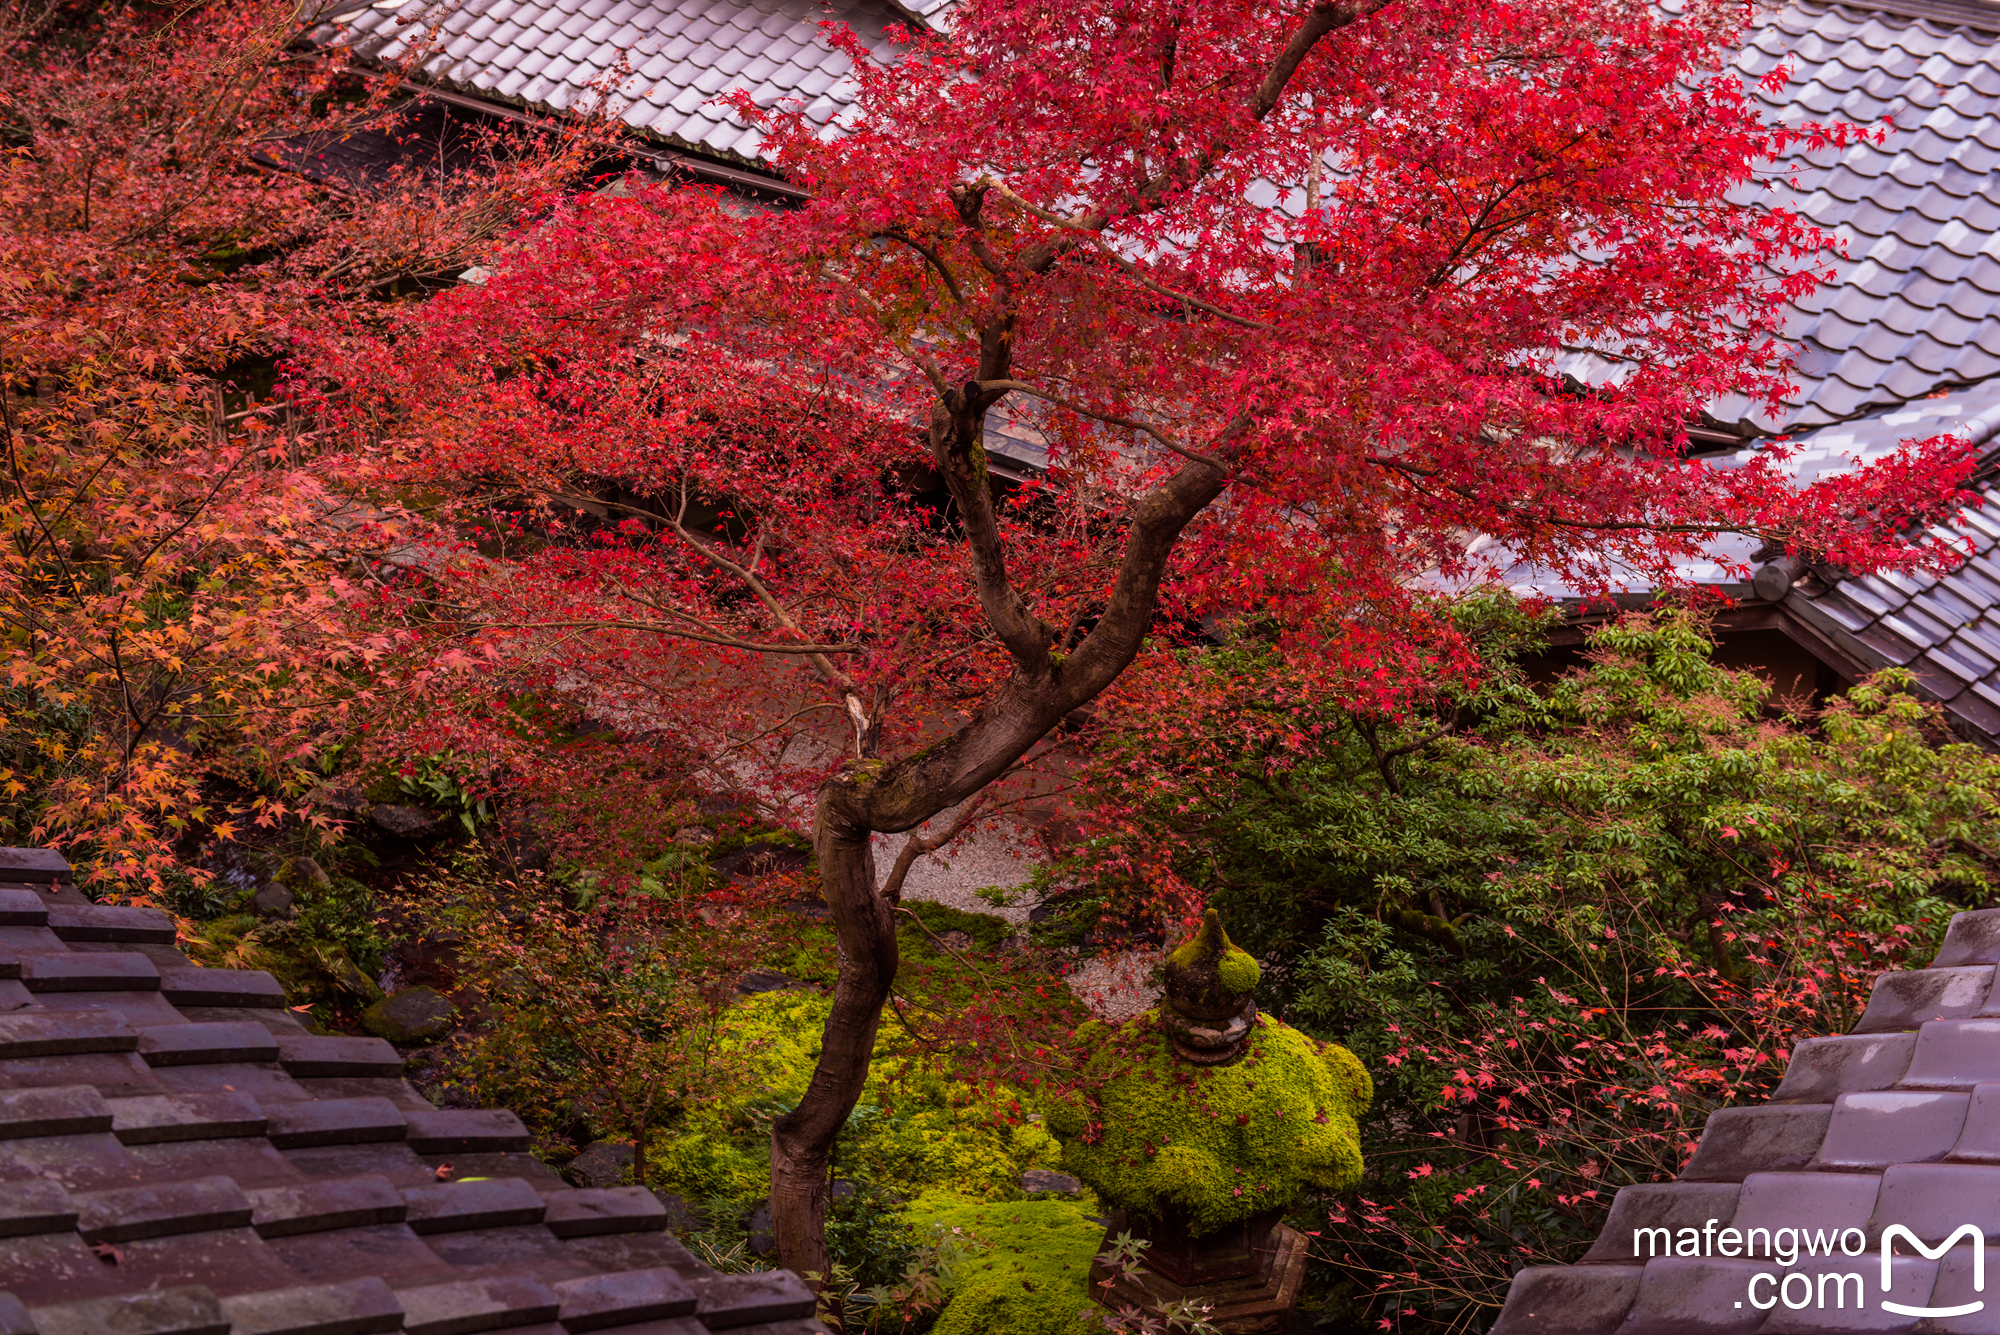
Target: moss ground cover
1216,1144
1035,1277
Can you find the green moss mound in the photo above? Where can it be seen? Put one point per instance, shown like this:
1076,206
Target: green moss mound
1216,1144
1036,1278
913,1130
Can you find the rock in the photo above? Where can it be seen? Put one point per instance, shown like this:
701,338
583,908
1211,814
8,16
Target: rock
681,1217
763,1236
410,822
1041,1179
694,836
412,1015
604,1163
273,901
347,801
305,874
763,980
341,969
760,859
956,940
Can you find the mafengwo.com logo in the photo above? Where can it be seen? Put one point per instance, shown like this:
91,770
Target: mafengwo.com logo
1826,1288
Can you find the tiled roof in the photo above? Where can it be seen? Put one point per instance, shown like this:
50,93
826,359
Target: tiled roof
178,1156
1897,1123
545,54
1913,306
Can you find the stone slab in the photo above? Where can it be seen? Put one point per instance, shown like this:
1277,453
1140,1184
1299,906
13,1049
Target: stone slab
466,1306
1871,1131
394,1088
165,1117
94,1162
513,1249
595,1302
34,1206
115,1075
1831,1307
637,1251
140,1009
727,1301
1740,1141
322,1055
448,1206
1955,1054
22,908
363,1306
1972,938
14,997
110,922
1694,1296
14,1317
265,1082
161,1209
1934,1200
1822,1069
591,1211
319,1204
37,866
389,1251
1773,1201
335,1122
207,1044
63,1034
248,1160
389,1159
93,971
1903,1001
1655,1205
62,1110
466,1130
222,987
184,1311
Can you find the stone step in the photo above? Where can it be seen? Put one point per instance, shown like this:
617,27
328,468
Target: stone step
61,1110
334,1122
37,866
207,1044
322,1204
494,1202
728,1301
596,1302
469,1306
594,1211
466,1131
22,908
160,1118
64,1034
162,1210
97,971
357,1307
110,922
34,1206
332,1055
192,1310
222,987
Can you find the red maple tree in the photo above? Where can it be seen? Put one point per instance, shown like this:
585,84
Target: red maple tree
1282,291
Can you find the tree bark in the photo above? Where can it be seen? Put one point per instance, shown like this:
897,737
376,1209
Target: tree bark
802,1140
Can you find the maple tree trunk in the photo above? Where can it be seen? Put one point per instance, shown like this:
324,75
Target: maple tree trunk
802,1140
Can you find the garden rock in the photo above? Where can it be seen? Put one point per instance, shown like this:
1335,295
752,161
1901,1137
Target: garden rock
410,822
604,1163
681,1217
1041,1179
956,940
763,980
273,901
412,1015
760,860
763,1236
305,874
694,836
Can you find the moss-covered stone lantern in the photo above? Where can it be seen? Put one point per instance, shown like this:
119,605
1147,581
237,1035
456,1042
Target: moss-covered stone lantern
1199,1123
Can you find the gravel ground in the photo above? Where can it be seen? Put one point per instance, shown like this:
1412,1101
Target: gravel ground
1114,989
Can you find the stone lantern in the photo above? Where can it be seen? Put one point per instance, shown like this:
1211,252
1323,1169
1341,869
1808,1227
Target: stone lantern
1201,1122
